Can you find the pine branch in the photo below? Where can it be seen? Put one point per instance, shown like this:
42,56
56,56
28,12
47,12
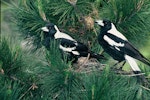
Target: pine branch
56,79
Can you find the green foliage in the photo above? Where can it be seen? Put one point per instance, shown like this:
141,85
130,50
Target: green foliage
31,15
56,79
27,16
67,13
9,90
59,80
130,17
108,86
17,81
43,75
10,61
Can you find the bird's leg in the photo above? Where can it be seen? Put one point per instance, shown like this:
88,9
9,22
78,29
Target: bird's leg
116,64
120,68
141,78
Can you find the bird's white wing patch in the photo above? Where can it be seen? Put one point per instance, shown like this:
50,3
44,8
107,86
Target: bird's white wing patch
112,42
69,49
132,63
117,48
115,32
75,52
76,43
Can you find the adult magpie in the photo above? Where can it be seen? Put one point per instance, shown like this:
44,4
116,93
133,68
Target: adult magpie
118,47
68,44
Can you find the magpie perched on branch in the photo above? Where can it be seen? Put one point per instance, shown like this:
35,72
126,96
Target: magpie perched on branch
67,44
118,47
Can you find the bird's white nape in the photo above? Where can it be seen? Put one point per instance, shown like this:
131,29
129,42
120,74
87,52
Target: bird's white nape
45,29
100,22
59,34
132,63
56,28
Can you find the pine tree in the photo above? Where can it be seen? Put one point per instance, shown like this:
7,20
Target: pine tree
43,75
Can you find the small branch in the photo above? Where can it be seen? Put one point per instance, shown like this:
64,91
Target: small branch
72,2
84,62
33,86
135,74
145,88
134,11
41,12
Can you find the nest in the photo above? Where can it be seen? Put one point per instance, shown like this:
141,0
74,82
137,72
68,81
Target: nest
85,65
89,22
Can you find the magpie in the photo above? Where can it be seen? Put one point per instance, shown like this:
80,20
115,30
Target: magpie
67,44
118,47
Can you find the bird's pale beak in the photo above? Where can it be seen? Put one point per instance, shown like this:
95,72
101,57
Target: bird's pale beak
99,22
45,29
95,21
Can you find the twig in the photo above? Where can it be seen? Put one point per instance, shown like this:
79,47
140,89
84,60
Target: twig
135,74
90,71
41,12
57,94
84,62
33,85
145,88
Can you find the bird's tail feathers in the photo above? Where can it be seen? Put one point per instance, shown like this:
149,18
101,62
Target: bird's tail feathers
132,63
145,60
96,55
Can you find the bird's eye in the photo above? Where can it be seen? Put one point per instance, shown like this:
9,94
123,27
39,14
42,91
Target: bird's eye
105,23
49,28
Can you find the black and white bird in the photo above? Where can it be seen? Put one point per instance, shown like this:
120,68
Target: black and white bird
67,43
118,47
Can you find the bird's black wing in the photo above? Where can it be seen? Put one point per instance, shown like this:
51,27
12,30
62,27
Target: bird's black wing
67,43
80,47
130,50
115,38
127,47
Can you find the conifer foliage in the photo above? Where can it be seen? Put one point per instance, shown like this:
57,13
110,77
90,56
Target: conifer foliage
43,75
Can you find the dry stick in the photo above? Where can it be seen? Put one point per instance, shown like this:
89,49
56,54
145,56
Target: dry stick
145,88
41,12
135,74
16,79
84,62
57,94
27,91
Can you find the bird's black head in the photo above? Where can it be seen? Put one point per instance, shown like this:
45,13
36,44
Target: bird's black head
105,24
49,30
